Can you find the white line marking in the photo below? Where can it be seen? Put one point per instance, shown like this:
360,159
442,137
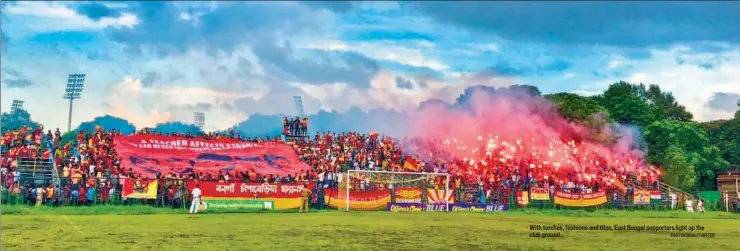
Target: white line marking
73,224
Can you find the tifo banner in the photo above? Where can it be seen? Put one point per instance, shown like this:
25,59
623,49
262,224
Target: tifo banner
465,207
440,196
408,195
139,189
280,196
358,200
522,198
580,200
641,197
656,197
149,154
539,193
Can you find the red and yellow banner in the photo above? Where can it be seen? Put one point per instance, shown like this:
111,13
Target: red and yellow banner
522,198
148,154
283,196
641,197
440,196
538,193
407,195
580,200
358,200
139,189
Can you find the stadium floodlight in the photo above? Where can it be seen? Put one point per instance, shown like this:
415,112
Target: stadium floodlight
17,106
298,105
72,92
200,120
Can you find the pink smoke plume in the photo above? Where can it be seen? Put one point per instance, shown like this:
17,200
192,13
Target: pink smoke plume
507,127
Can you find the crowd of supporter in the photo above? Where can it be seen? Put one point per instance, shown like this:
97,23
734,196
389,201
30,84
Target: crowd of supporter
91,170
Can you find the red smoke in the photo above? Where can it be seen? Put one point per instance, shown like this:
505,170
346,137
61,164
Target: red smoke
493,130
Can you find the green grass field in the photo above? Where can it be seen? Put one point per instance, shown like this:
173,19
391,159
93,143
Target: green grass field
146,228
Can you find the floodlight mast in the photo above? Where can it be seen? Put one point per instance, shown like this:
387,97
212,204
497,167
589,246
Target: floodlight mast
298,105
75,82
200,120
17,105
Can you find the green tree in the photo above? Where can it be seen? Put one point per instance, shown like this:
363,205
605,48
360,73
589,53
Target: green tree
16,119
667,103
725,134
665,136
628,104
70,136
529,89
679,172
575,107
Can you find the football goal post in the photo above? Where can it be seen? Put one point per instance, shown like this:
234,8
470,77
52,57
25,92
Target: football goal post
400,187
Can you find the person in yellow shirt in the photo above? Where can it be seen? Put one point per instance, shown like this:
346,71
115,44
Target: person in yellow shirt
50,195
305,194
76,176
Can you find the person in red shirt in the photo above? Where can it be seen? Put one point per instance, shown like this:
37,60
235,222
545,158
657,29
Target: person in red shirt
83,195
105,192
34,153
80,138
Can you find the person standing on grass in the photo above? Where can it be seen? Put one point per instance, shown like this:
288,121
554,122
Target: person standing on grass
700,205
196,199
39,195
689,205
305,194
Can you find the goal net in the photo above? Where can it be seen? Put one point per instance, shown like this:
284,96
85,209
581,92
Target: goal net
374,190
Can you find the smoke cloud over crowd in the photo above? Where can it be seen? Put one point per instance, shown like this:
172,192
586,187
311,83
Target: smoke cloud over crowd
492,129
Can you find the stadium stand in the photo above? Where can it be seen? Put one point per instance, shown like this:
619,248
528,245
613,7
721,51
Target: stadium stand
92,163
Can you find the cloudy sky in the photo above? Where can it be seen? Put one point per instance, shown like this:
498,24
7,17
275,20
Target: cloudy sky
152,62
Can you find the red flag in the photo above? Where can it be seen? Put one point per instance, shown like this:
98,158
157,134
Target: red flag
411,164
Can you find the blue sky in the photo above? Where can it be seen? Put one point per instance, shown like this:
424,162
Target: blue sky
152,62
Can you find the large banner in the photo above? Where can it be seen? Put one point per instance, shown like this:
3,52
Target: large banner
440,196
279,196
139,189
641,197
408,194
358,200
580,200
149,154
539,193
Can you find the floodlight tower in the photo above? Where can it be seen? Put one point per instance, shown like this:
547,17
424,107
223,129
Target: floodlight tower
73,91
200,120
17,106
298,105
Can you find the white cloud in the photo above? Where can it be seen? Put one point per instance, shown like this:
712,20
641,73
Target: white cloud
492,47
384,92
615,63
58,16
569,75
122,100
329,45
383,50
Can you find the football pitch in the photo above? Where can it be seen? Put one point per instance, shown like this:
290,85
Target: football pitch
331,230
